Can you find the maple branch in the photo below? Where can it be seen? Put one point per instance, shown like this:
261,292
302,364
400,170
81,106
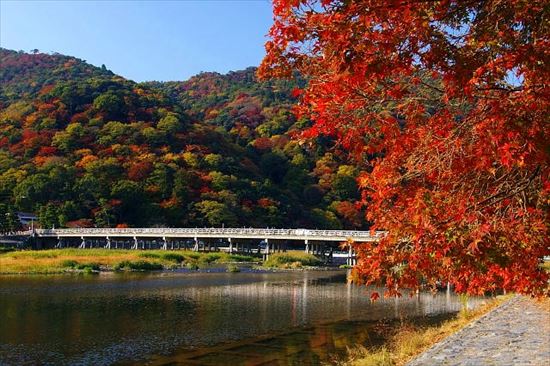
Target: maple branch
487,202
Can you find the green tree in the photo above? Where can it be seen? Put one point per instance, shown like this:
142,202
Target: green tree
344,187
170,124
216,214
110,104
274,165
104,215
48,216
134,208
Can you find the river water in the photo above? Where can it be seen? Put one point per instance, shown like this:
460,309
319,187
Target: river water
304,318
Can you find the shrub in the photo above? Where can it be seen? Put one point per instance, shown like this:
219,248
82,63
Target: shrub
241,258
88,267
233,268
194,255
173,257
138,266
210,258
286,260
69,263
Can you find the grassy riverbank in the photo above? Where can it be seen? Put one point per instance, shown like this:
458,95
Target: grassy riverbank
92,260
292,260
409,340
74,260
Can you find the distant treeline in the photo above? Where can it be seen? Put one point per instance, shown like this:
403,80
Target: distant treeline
81,146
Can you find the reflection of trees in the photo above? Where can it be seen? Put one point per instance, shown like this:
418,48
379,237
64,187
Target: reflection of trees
88,313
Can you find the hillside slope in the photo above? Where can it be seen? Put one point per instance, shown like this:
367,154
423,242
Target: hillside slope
82,146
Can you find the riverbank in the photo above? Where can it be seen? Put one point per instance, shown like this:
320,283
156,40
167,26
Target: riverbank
409,340
95,260
515,333
72,260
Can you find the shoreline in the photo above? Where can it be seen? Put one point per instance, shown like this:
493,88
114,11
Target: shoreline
71,261
409,342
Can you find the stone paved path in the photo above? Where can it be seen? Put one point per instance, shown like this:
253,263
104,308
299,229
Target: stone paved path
516,333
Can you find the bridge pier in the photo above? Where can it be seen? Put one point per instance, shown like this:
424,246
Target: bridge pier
267,249
352,257
83,243
196,247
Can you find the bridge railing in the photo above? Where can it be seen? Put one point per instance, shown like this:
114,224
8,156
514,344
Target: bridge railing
305,233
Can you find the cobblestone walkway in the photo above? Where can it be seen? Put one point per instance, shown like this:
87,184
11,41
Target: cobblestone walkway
515,334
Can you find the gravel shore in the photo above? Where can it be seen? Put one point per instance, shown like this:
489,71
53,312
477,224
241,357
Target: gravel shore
517,333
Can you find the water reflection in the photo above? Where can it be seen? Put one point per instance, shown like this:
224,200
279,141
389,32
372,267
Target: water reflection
119,318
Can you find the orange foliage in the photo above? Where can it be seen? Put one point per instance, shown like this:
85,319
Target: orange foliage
444,105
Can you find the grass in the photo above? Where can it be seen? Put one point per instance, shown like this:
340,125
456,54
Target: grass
233,268
291,259
92,260
138,266
409,340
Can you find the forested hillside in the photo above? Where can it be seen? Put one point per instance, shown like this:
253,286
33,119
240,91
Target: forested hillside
81,146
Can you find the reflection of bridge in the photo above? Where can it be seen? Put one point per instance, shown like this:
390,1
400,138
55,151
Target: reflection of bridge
231,239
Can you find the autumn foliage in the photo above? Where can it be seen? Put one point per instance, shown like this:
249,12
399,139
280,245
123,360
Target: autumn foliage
444,106
81,146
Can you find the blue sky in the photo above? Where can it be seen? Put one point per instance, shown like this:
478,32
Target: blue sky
142,40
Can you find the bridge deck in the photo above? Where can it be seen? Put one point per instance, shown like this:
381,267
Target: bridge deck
223,233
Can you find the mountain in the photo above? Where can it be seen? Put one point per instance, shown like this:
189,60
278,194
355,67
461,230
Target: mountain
82,146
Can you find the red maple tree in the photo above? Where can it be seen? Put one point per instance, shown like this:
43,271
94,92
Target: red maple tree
444,105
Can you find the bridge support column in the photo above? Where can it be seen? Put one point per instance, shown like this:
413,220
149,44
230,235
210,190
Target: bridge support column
196,247
108,243
135,246
307,246
83,243
267,249
230,245
164,243
59,243
349,260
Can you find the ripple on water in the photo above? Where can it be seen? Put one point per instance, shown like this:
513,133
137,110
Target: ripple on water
106,319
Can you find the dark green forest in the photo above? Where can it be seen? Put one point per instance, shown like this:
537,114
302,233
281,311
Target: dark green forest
83,147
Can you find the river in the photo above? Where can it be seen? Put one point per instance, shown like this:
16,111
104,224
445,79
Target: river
175,318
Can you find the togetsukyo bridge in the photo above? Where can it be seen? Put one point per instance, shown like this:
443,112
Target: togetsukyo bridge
233,240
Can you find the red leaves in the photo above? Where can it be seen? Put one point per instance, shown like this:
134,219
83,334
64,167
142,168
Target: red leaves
374,296
452,151
140,170
296,92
